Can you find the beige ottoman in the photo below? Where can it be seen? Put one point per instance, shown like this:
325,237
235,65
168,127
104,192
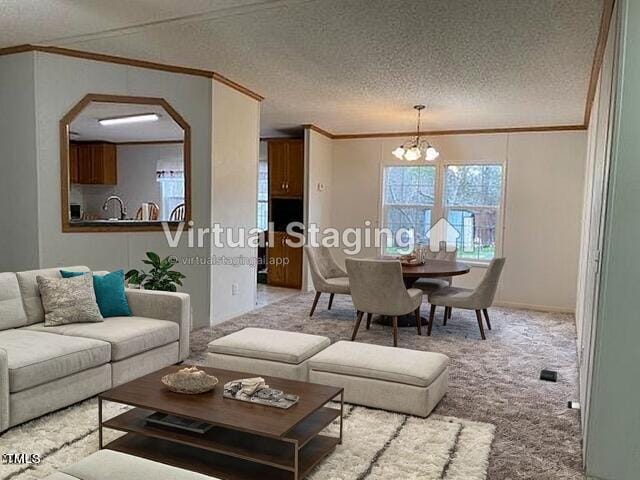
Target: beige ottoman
261,351
110,465
395,379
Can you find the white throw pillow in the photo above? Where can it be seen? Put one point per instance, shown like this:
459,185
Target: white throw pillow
68,300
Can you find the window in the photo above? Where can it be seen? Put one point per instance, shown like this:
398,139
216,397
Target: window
472,205
172,190
469,199
409,194
263,196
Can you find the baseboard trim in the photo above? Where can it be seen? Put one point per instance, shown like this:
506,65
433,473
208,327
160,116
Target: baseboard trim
231,316
539,308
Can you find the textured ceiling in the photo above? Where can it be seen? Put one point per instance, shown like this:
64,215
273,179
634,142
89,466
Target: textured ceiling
359,65
86,127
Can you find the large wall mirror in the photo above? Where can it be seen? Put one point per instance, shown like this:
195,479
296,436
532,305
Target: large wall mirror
125,165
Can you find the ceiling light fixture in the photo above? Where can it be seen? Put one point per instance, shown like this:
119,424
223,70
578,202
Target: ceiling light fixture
412,150
145,117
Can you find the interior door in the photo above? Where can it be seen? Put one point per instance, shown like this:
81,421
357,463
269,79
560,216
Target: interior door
600,136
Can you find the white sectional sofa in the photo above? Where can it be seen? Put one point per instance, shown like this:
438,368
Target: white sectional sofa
43,368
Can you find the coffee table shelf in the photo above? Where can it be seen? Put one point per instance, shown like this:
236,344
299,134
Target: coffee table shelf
247,441
264,450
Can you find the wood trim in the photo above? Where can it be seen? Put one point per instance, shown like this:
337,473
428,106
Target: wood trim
546,128
603,35
64,161
101,57
173,226
236,86
319,130
16,49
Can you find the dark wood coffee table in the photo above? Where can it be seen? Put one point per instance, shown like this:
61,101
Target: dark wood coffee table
248,441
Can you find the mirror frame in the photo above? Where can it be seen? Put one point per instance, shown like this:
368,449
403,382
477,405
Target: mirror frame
65,174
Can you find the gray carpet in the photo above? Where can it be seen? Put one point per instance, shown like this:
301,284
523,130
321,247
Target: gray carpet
495,381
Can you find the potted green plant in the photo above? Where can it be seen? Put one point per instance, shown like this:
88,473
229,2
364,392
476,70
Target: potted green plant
160,276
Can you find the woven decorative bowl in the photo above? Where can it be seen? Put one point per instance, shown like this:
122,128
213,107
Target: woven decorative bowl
190,381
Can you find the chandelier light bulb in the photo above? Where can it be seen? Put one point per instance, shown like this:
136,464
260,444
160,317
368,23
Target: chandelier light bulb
399,153
412,154
431,153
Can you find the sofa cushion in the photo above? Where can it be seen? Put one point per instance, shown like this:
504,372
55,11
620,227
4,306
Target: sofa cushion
273,345
11,311
128,336
35,358
31,294
392,364
110,465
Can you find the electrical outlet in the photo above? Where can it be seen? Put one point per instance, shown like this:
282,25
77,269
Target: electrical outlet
235,289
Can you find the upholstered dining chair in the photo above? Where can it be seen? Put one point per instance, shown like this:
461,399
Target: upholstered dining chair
430,285
478,299
377,288
326,274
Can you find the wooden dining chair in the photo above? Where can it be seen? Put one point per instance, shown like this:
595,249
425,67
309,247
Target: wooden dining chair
377,287
177,214
154,212
479,299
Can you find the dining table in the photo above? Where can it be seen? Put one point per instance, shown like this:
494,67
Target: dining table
427,269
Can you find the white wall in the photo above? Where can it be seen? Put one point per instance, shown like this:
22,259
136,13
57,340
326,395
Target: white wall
544,184
60,83
137,168
236,126
18,167
318,187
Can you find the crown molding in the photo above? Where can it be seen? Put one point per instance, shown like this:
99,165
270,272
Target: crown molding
100,57
598,58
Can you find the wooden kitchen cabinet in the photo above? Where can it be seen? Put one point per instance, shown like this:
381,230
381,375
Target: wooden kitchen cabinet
93,163
286,168
74,167
281,275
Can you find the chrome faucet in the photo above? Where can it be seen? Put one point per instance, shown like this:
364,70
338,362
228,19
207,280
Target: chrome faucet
123,210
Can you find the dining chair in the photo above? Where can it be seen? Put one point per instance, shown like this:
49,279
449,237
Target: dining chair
478,299
430,285
177,214
154,212
326,274
377,287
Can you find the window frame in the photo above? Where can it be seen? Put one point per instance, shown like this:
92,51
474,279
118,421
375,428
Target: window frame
439,208
383,206
266,200
166,212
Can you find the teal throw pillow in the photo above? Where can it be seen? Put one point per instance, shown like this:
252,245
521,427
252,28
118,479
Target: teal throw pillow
110,294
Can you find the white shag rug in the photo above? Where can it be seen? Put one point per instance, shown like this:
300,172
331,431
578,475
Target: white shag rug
377,445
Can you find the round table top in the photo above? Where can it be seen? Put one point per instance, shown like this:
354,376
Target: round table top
435,268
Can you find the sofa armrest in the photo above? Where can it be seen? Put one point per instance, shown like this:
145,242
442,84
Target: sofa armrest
4,390
175,307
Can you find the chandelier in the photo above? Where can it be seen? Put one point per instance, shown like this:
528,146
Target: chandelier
412,150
